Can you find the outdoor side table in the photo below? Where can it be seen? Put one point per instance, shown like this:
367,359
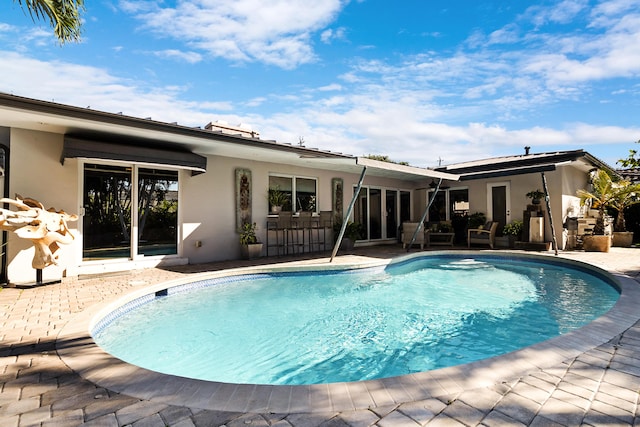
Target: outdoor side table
440,239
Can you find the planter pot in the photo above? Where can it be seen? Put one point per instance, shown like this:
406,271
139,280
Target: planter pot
276,209
346,244
251,251
502,242
622,239
507,241
596,243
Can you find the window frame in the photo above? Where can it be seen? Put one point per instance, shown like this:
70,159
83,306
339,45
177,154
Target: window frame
294,190
134,249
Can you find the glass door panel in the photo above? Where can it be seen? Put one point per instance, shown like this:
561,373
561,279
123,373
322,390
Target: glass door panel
157,212
405,206
392,213
361,211
375,213
107,212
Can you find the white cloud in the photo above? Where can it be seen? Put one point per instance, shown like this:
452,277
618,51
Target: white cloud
562,12
330,88
276,32
329,35
190,57
83,86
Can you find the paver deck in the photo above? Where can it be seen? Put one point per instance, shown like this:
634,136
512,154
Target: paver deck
575,383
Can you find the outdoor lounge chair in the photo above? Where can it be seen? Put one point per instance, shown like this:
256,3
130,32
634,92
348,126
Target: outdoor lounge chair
408,229
485,235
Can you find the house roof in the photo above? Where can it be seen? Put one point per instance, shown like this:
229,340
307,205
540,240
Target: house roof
632,175
109,128
523,164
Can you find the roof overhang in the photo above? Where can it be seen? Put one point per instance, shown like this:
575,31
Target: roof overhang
526,164
397,171
133,153
508,172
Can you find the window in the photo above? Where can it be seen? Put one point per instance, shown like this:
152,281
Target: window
300,192
449,204
120,199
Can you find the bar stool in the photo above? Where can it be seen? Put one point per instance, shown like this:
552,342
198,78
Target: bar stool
303,229
325,221
281,227
287,226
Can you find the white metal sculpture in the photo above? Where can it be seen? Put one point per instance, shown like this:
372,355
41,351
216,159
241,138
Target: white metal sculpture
46,228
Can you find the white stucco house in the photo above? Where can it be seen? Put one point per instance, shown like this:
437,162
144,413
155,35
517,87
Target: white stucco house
151,193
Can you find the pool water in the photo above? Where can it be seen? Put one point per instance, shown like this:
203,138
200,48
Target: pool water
323,327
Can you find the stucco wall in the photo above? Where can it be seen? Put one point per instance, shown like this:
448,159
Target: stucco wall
35,171
208,204
207,201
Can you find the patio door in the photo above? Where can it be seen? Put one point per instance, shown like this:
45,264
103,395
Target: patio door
368,212
499,203
129,211
391,207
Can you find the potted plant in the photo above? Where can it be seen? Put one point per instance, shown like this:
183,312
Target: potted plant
477,220
250,246
513,231
277,199
535,196
352,232
625,194
599,198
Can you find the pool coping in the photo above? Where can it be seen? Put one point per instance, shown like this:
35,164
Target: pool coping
78,350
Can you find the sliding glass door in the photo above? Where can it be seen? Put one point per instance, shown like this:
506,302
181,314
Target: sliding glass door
379,210
121,200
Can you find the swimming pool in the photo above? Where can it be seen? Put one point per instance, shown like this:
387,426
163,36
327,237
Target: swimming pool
414,315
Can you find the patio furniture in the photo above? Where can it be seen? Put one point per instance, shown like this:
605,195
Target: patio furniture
408,230
324,222
279,228
484,236
302,225
437,238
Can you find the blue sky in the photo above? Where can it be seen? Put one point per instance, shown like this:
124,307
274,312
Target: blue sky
423,81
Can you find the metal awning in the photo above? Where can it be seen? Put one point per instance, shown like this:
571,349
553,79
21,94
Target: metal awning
83,148
498,173
390,170
397,171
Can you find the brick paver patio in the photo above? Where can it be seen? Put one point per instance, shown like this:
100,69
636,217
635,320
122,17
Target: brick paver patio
598,387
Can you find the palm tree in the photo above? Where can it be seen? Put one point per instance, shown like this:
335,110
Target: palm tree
625,194
607,193
64,16
600,197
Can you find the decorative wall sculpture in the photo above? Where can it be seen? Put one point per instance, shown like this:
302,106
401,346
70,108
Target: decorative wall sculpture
243,197
46,229
337,198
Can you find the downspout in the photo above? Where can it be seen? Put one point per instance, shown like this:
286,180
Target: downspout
424,215
548,202
348,214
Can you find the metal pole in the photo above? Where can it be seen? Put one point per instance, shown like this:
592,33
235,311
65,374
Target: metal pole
348,214
548,202
424,215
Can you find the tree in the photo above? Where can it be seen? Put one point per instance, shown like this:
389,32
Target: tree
63,15
608,193
600,197
384,158
625,194
631,162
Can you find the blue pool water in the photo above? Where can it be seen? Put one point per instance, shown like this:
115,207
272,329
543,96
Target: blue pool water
309,328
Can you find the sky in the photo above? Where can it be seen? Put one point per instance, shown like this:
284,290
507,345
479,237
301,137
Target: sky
429,82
